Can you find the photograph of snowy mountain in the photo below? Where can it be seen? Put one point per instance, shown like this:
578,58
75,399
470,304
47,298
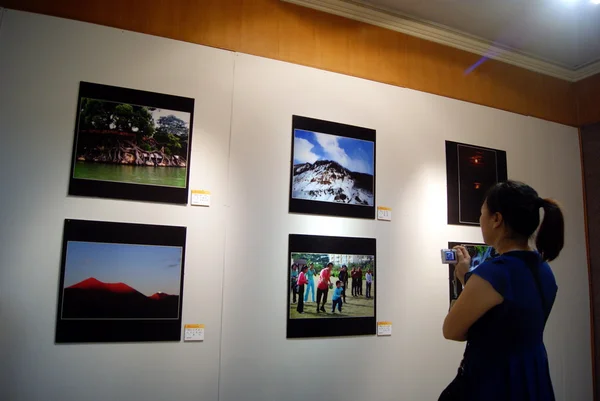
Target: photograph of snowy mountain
331,168
120,282
333,163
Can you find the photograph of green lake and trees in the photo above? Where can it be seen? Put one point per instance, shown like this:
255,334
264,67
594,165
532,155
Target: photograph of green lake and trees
131,143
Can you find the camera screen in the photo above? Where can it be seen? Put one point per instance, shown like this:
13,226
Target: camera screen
449,255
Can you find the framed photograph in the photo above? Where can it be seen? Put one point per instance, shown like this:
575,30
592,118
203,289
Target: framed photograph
331,286
471,171
131,144
333,169
120,282
479,253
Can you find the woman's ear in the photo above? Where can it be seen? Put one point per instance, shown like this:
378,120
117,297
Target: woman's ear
497,220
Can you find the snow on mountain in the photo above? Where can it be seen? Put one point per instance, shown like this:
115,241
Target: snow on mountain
328,181
159,295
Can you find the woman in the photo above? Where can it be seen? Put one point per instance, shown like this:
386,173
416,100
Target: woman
302,281
503,308
359,276
323,286
369,279
294,281
310,274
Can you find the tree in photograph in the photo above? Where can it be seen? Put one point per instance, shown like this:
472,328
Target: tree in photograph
118,117
126,134
173,132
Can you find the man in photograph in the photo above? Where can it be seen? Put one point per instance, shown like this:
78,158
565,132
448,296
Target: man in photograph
323,286
344,279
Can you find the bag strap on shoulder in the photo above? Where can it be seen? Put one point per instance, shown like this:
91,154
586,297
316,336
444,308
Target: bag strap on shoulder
535,272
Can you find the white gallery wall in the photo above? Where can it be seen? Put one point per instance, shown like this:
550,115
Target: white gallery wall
236,256
42,60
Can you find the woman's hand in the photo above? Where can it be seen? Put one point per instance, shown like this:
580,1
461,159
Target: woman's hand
464,263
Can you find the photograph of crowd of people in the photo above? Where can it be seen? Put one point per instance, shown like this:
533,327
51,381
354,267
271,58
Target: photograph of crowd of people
325,285
479,253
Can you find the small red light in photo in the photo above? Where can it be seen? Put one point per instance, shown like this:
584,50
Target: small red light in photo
477,160
477,185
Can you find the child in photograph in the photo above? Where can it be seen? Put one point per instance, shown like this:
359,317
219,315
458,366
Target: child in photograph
369,278
302,280
323,286
294,281
310,274
336,299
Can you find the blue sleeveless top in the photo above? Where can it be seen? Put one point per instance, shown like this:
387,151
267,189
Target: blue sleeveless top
505,357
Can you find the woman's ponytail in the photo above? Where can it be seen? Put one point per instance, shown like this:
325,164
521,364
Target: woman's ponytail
551,235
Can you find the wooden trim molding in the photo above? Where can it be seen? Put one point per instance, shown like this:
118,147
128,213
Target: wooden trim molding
291,33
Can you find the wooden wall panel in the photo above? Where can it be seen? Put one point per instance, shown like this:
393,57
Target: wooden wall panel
283,31
590,145
588,100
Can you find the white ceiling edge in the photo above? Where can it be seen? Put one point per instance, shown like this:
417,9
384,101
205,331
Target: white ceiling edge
446,36
587,71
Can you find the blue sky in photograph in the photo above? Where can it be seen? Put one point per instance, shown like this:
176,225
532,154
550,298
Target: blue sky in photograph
146,268
354,154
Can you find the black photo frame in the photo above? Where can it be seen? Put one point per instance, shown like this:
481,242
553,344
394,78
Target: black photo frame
455,288
112,279
470,171
331,324
113,158
357,200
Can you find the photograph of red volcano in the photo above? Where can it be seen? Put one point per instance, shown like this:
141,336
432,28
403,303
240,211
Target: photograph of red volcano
93,299
120,282
137,281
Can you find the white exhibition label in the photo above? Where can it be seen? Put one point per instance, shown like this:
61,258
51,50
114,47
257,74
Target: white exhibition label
194,332
384,213
384,328
200,198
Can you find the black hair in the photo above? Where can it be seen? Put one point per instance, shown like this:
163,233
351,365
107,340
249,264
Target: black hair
337,282
329,264
519,204
304,267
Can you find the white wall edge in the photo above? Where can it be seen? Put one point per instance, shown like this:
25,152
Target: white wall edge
426,30
2,10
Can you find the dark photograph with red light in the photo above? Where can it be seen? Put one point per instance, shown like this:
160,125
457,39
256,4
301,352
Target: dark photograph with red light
118,283
471,170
